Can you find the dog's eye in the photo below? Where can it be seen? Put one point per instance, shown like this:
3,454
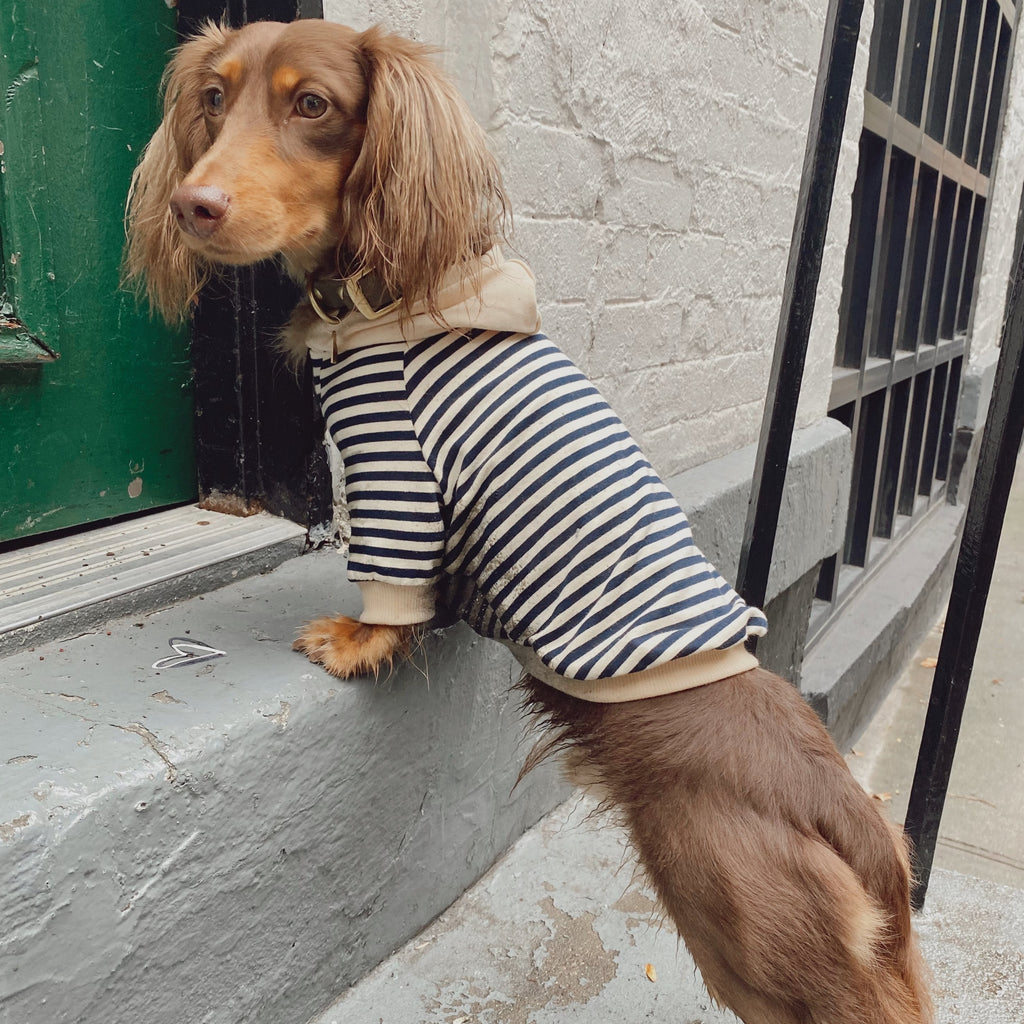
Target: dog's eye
213,102
311,105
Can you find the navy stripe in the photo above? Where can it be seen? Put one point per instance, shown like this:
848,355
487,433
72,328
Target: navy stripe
473,345
385,515
390,476
403,536
511,429
620,631
357,421
611,582
466,400
371,569
557,538
376,494
572,566
471,519
458,455
538,521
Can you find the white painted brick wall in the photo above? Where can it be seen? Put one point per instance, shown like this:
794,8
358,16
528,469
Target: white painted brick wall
1005,204
652,152
653,155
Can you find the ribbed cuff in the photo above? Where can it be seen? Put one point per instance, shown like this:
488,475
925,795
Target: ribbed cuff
391,604
682,674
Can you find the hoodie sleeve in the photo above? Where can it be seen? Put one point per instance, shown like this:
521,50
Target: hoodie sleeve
398,538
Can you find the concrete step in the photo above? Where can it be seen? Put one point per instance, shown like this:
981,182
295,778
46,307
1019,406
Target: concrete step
236,839
560,931
56,587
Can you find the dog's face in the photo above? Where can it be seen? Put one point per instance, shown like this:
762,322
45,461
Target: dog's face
273,117
330,147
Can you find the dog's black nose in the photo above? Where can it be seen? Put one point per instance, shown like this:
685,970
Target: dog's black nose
199,209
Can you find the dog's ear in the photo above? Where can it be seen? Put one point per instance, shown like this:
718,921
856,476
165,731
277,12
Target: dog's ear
156,261
425,194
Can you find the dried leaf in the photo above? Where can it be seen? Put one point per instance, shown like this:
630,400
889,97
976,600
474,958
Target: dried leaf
652,974
882,798
929,663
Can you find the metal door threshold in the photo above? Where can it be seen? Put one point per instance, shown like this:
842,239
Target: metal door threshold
67,586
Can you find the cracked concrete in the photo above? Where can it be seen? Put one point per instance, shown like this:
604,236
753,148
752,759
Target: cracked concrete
154,744
527,931
560,931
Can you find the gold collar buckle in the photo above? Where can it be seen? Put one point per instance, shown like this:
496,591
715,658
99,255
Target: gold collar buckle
333,298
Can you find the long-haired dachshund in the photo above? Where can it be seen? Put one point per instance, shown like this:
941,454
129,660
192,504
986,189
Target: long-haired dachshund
483,471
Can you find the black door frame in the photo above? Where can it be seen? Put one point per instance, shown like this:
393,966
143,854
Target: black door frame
258,429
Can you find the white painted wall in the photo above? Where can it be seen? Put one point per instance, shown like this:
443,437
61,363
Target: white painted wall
1005,204
653,155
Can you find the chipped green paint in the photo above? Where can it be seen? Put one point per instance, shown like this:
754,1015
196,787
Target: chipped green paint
25,243
106,428
18,345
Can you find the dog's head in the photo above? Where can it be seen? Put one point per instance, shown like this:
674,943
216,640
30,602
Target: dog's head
329,147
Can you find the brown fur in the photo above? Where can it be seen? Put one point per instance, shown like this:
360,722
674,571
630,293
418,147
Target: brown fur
789,889
346,647
787,886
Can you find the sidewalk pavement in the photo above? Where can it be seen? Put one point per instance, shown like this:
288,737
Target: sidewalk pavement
559,930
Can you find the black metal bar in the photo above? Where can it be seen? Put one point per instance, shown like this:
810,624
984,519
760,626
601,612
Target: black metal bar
1000,445
828,117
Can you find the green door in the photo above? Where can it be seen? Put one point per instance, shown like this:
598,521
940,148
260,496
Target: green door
95,396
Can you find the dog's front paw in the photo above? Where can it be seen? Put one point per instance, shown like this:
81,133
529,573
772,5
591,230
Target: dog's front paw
347,647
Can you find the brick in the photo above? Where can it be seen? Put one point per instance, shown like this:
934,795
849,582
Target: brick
685,444
649,193
570,327
636,335
551,172
562,254
622,265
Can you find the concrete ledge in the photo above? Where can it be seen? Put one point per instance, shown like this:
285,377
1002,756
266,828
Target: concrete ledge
811,524
813,515
238,840
254,814
850,667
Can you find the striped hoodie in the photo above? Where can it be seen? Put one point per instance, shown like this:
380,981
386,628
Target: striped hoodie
484,472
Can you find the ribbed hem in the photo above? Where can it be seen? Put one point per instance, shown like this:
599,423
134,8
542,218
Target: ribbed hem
682,674
392,604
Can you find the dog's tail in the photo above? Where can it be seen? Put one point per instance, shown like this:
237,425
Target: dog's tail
789,889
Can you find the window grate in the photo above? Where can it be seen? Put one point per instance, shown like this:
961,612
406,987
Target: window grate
936,83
